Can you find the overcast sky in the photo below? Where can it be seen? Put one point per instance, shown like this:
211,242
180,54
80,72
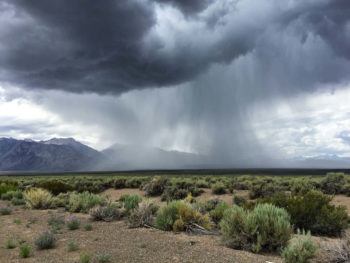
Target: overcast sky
239,80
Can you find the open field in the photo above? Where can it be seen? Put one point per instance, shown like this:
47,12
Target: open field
126,212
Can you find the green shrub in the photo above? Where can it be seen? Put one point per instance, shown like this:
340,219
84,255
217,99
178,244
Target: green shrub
37,198
56,222
217,213
143,215
266,228
73,223
16,201
300,249
60,200
88,227
5,211
313,211
103,258
72,246
46,240
209,205
263,189
25,251
181,216
173,193
119,183
239,200
202,184
7,187
106,213
218,188
55,186
130,202
17,221
83,202
134,182
333,183
167,215
301,186
12,194
156,186
85,258
10,243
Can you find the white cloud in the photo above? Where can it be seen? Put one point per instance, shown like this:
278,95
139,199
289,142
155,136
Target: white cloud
307,125
22,118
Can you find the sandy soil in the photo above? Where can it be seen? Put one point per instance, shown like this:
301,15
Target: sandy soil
116,239
342,200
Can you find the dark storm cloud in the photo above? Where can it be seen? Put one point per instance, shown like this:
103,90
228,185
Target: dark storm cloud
187,6
114,46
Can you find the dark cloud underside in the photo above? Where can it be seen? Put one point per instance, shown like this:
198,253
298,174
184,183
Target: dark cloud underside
110,46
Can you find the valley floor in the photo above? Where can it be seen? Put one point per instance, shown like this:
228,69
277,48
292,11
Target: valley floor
120,242
115,238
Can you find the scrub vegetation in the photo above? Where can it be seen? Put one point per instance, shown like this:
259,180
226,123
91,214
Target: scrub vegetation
285,216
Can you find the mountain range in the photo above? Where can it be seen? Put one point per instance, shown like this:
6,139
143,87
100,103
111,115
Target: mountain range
67,154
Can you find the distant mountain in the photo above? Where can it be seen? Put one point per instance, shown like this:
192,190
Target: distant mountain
126,157
53,155
324,161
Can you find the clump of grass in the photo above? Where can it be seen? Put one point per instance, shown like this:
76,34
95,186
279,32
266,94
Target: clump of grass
105,213
83,202
25,251
17,221
130,202
46,240
239,200
10,243
84,258
73,223
56,222
72,246
218,188
143,215
156,186
17,201
88,227
5,211
103,258
181,216
37,198
300,249
218,212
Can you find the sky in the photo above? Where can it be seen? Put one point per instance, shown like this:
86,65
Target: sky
242,81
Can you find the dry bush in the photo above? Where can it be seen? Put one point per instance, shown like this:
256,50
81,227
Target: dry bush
143,215
336,251
37,198
106,213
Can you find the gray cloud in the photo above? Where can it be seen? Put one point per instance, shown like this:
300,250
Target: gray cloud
114,46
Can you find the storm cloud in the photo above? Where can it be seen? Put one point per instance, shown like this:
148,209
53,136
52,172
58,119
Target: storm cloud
185,75
116,46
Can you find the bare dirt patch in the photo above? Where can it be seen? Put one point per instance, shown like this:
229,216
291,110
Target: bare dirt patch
342,200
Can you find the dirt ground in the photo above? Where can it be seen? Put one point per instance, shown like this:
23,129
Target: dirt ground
342,200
